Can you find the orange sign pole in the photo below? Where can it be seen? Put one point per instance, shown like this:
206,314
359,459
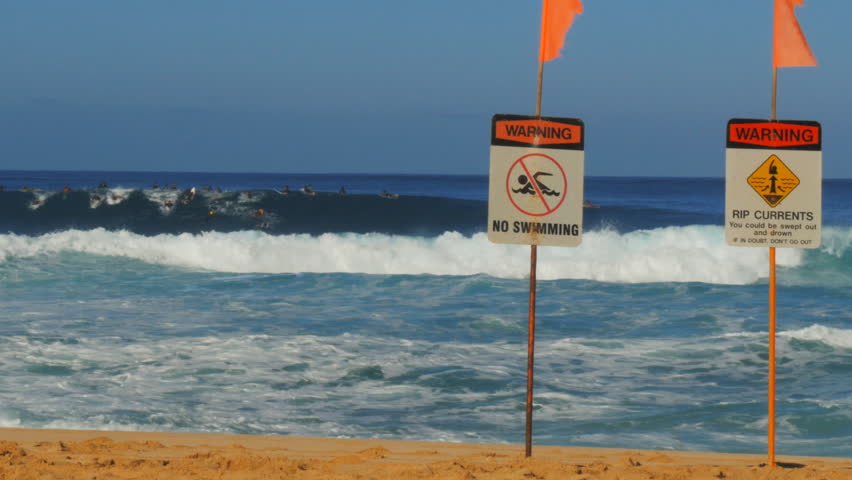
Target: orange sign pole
770,420
771,414
789,49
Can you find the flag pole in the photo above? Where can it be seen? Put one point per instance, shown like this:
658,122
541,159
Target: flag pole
771,360
771,419
774,93
533,267
531,351
789,49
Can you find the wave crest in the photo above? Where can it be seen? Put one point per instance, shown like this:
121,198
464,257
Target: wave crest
671,254
835,337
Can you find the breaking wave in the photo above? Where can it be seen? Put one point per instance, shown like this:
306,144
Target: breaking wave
669,254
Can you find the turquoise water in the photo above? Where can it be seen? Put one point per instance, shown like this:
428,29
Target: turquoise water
651,334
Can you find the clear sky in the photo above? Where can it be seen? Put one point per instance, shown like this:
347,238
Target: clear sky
399,86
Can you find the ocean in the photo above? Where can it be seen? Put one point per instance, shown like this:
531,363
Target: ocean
126,307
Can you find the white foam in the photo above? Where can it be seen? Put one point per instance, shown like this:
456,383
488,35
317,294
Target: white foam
673,254
117,195
235,383
836,241
679,254
835,337
165,199
41,196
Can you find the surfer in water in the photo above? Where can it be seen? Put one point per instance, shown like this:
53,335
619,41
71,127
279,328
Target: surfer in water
260,214
189,196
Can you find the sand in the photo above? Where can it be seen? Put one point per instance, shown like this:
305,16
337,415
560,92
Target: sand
73,454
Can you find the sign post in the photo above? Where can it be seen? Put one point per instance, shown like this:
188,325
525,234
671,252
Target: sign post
535,197
532,180
773,198
775,158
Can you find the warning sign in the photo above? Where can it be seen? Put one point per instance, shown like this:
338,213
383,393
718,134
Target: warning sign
773,184
536,180
773,181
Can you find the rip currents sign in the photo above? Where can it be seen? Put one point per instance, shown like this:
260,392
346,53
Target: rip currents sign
535,194
773,183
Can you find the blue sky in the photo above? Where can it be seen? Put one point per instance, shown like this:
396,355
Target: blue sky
399,86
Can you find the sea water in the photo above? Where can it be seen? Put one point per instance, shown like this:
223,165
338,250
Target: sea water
364,316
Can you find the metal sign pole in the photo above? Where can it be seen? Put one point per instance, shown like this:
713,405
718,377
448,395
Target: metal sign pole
531,351
531,337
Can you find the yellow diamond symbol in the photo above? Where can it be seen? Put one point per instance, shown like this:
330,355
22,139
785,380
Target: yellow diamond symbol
773,181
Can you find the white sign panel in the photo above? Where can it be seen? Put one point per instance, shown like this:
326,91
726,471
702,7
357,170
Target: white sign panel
773,184
535,194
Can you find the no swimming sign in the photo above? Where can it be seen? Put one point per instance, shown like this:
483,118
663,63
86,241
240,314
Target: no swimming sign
536,180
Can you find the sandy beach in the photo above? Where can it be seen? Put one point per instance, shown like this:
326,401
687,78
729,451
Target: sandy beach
72,454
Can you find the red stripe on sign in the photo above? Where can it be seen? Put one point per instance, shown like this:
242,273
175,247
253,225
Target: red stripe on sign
771,134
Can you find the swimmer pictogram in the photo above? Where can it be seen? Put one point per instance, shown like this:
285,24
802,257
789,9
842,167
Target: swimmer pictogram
536,184
528,186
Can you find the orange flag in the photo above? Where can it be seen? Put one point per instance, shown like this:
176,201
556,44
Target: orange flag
556,18
790,46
